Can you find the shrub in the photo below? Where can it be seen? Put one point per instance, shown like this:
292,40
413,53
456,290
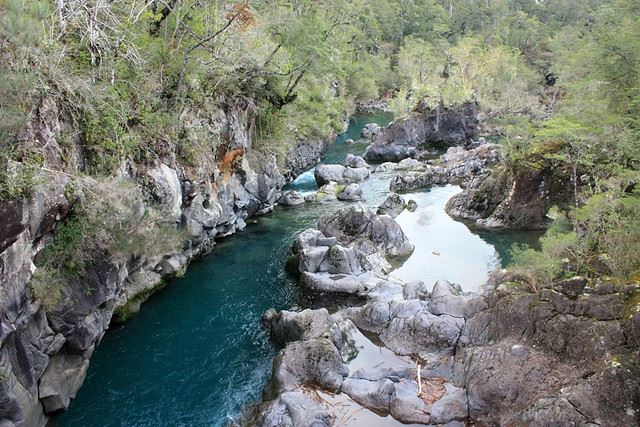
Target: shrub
110,217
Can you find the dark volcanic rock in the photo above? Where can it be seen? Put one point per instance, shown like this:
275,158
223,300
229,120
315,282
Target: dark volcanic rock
424,127
303,156
544,359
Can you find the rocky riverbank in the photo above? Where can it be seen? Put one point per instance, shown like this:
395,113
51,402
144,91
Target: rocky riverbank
45,351
566,355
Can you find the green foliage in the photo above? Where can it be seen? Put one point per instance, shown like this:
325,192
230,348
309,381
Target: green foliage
20,35
109,219
16,179
602,238
66,253
541,267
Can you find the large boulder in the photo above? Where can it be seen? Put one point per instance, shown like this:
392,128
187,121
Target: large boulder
353,161
351,193
288,326
296,409
393,205
356,222
423,128
291,198
326,193
312,362
370,131
339,174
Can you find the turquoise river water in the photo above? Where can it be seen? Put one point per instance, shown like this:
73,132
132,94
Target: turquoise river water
196,353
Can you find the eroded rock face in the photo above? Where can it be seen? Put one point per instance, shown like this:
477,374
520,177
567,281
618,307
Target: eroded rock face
44,353
303,156
423,128
553,358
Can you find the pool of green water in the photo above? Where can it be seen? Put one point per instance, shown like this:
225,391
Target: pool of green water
196,353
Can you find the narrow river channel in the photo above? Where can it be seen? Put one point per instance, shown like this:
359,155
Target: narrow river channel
196,353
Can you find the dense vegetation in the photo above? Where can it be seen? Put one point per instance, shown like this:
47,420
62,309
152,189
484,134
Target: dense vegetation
558,79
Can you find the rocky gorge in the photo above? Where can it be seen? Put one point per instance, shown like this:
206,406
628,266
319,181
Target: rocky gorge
392,350
45,351
505,355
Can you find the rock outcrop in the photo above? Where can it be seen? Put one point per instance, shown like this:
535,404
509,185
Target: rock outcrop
567,354
492,197
350,193
370,131
457,166
393,205
508,357
554,357
423,129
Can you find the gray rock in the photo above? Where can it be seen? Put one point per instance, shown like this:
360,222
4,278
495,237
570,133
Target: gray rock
167,190
416,290
355,222
339,174
450,407
406,406
315,361
352,175
412,181
201,215
300,408
326,193
393,205
410,164
325,282
353,161
448,298
412,205
371,394
61,380
370,130
351,193
385,167
305,154
291,198
288,326
405,137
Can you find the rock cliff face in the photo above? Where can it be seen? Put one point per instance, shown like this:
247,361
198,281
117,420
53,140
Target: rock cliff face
44,353
422,129
492,197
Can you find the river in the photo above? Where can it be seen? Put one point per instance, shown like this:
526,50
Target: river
196,353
